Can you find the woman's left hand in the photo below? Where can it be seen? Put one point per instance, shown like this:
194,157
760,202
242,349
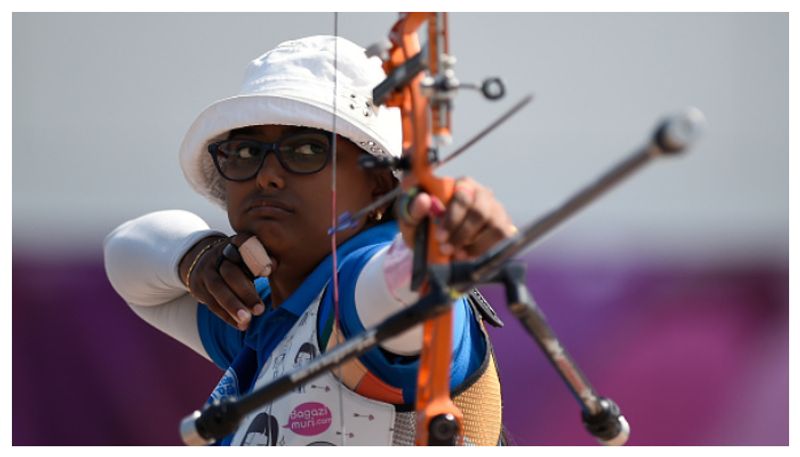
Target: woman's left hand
467,227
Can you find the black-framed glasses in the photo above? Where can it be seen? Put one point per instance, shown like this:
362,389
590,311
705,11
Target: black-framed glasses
302,153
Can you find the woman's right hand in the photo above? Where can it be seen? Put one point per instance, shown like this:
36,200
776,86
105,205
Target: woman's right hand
228,292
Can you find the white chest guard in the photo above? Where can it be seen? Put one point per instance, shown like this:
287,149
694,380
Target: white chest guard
322,412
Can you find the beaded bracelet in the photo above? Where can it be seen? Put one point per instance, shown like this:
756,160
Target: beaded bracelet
197,258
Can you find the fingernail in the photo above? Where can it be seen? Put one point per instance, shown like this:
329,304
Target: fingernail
437,207
259,309
243,315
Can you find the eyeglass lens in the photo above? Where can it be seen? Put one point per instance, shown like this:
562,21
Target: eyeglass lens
241,159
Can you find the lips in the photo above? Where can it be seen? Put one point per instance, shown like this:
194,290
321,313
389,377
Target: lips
270,206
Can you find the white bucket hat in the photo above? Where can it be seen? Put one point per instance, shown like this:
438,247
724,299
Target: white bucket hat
293,84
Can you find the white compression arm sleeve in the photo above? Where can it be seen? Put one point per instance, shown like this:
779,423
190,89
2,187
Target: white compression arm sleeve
383,288
141,259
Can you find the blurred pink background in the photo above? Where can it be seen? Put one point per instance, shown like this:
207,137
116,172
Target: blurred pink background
692,356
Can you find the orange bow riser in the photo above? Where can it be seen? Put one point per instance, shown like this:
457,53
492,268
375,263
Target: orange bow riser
425,119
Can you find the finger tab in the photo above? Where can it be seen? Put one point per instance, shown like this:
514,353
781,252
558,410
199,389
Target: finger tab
255,257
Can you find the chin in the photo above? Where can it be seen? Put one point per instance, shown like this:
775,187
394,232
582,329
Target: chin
272,234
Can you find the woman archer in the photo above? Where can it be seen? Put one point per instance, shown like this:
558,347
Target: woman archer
257,302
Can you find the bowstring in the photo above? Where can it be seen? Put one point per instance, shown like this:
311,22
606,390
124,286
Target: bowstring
334,218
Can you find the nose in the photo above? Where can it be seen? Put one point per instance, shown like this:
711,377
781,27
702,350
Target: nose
271,173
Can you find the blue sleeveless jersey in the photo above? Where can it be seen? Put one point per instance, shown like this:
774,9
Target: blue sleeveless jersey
241,354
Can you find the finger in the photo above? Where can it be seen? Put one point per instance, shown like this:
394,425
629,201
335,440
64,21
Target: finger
239,283
457,210
489,236
240,238
477,219
222,314
416,210
229,302
199,285
499,228
205,299
421,206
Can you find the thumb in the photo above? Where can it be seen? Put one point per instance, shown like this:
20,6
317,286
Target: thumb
410,217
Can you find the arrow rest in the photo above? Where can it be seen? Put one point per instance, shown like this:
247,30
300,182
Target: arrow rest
371,162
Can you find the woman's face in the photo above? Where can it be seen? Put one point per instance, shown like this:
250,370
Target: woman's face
291,213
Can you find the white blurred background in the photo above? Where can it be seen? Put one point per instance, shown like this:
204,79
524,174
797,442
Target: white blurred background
101,102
